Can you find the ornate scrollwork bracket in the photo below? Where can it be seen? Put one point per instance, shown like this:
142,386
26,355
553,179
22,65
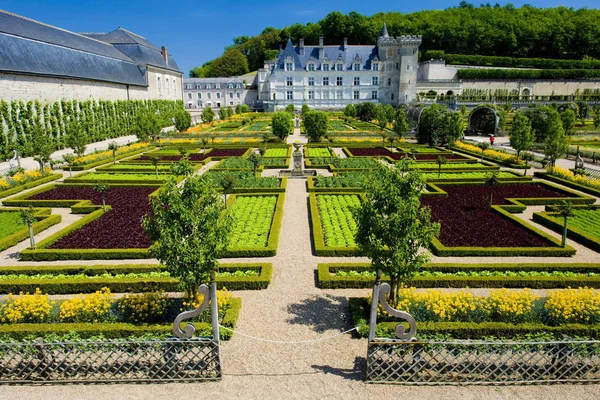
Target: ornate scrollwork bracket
401,333
189,329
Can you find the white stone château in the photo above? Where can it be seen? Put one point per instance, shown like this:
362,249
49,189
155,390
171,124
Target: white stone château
330,77
47,63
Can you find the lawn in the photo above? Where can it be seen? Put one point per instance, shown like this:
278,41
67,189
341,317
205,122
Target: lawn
317,152
586,221
253,216
10,222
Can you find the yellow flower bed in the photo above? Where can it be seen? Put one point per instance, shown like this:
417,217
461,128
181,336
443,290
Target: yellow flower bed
497,155
573,305
7,182
103,155
89,308
223,297
509,305
568,175
143,307
32,308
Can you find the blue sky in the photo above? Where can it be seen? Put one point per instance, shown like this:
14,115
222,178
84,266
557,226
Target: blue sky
197,31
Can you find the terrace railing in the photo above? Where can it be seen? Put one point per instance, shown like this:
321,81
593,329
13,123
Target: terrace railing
175,359
409,361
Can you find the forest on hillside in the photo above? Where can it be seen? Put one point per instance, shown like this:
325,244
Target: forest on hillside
491,30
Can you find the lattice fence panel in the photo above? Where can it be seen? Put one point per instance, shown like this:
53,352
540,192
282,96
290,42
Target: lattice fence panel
464,362
110,361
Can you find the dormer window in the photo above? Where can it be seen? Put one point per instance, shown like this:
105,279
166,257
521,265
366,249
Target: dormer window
230,86
325,67
289,66
311,66
218,86
339,67
239,85
356,66
375,66
207,86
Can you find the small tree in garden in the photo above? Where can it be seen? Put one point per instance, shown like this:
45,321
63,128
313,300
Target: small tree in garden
182,167
330,139
183,120
212,137
282,124
187,227
483,146
27,216
441,160
114,147
527,157
155,161
350,111
146,126
254,158
204,141
182,151
77,138
223,114
228,184
557,142
69,159
463,110
305,108
565,210
492,180
290,109
521,137
102,188
208,115
391,138
392,227
400,123
316,124
265,138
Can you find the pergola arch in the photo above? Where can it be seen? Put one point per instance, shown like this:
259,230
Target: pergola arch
483,120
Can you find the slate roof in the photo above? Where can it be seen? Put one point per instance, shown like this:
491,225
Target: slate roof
137,48
364,54
35,48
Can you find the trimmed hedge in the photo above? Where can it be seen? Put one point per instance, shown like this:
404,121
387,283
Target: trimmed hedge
273,242
328,281
118,330
125,285
489,159
29,185
44,221
568,183
108,160
311,188
161,180
562,74
359,308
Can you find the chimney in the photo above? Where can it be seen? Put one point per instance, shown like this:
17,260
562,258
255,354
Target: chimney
321,51
163,51
345,44
301,46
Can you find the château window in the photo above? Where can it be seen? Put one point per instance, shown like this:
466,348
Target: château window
325,67
231,95
218,86
389,81
290,95
392,96
339,67
311,67
357,67
356,95
325,95
239,95
408,67
189,95
158,83
397,66
356,81
339,95
167,85
208,95
218,95
311,94
199,103
289,81
325,81
375,67
208,86
339,81
174,87
199,95
374,94
375,81
289,66
311,81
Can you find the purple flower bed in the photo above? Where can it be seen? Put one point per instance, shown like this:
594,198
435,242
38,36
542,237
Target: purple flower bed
383,152
119,228
467,220
227,152
192,157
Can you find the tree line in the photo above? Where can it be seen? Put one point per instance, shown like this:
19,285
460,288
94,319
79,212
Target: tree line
489,30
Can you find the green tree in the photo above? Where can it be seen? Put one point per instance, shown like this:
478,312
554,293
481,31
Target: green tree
483,146
391,138
316,124
69,159
366,112
452,128
281,124
305,108
114,147
146,126
527,157
492,180
521,138
441,160
290,109
568,119
254,158
42,148
182,167
183,120
432,120
187,228
350,110
77,138
155,161
463,110
265,139
27,216
102,188
231,63
557,142
392,227
204,141
400,123
228,183
565,210
208,115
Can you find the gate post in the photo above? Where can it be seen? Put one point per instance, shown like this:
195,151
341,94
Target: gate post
374,306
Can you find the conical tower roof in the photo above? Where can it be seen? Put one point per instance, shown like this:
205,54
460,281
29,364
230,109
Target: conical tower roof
384,32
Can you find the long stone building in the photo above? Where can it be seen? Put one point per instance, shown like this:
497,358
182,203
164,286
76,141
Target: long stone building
43,62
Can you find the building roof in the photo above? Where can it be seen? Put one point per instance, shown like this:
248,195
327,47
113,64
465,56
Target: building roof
34,48
137,48
331,54
231,79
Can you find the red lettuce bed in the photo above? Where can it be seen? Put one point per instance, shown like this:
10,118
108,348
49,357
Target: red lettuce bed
467,220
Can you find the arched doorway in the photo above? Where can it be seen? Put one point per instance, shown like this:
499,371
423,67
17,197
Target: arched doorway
483,120
450,93
525,93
